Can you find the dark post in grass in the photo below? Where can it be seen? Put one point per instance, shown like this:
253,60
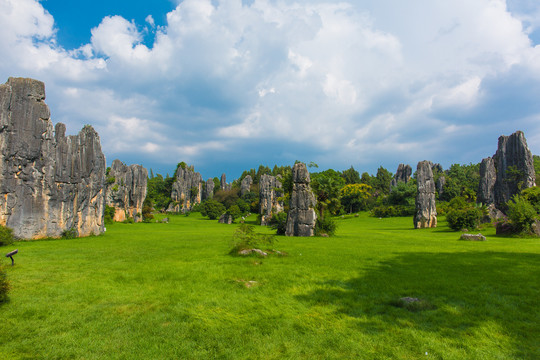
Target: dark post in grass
10,255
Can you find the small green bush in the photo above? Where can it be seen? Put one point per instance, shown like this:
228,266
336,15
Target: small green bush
70,233
4,285
245,237
532,195
109,212
111,180
325,226
235,212
279,222
385,211
521,214
147,214
459,219
212,209
6,236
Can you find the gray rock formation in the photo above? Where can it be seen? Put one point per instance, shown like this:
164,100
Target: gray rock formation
49,183
515,169
186,189
268,197
223,183
225,219
126,190
441,181
488,176
473,237
302,217
426,213
208,190
403,174
245,185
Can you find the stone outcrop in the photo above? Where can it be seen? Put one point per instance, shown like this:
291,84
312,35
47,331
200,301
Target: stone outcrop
472,237
488,176
403,174
186,189
226,219
208,190
223,183
126,190
302,217
245,185
268,197
49,183
426,213
441,181
514,166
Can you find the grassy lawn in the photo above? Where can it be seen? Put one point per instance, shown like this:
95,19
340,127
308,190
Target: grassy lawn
170,291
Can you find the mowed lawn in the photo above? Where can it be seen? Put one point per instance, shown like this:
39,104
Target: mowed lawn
171,291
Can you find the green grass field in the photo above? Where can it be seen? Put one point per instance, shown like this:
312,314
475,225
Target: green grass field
171,291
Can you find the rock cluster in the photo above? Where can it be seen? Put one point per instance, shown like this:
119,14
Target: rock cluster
245,185
269,192
509,171
186,189
302,217
426,212
403,174
126,190
49,183
225,219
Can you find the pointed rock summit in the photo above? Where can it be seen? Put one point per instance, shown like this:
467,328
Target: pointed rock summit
426,212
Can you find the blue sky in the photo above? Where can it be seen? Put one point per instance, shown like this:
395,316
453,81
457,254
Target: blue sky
227,85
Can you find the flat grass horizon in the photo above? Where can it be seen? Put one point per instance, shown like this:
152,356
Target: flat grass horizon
167,291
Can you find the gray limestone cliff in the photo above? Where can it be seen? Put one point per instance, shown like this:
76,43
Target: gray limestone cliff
186,189
403,174
245,185
301,218
126,190
208,192
49,183
515,169
488,176
269,192
223,183
426,212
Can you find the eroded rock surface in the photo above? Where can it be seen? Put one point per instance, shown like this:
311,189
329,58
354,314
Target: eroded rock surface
488,176
426,212
268,197
403,174
208,189
245,185
186,189
126,190
49,182
515,169
223,183
302,217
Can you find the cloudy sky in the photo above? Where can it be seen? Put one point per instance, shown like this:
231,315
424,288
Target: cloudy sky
227,85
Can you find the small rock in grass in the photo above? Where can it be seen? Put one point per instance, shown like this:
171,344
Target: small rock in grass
473,237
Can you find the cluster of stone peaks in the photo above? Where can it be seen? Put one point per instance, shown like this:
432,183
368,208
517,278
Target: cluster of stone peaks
49,182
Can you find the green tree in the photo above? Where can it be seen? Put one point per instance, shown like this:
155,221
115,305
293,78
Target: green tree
461,180
212,209
326,186
351,176
521,214
235,212
381,181
354,196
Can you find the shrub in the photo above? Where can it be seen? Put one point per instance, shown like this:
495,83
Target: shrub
147,214
212,209
521,214
392,211
4,285
532,195
235,212
109,212
279,222
70,233
129,220
196,207
245,237
325,226
6,236
468,218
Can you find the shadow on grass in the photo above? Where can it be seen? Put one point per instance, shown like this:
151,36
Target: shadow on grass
467,290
